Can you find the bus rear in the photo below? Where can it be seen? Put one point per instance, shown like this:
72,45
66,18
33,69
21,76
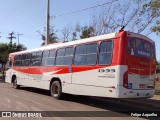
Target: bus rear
138,78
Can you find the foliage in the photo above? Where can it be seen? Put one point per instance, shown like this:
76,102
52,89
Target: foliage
7,48
136,15
52,37
139,16
154,7
82,32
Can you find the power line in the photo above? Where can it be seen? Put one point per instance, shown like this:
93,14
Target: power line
83,9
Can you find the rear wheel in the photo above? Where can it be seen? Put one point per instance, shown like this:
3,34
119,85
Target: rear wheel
56,90
15,85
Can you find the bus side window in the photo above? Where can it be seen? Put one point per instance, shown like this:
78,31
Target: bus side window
60,57
38,58
92,54
17,60
79,58
23,63
44,58
51,58
33,59
86,54
27,60
69,56
105,56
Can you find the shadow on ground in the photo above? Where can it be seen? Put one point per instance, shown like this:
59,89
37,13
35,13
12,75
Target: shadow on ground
116,106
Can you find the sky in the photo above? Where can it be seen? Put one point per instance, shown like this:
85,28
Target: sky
27,17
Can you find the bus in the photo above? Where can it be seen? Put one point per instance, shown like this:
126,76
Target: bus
116,65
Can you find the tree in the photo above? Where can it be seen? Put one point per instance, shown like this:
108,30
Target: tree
52,37
87,32
136,15
154,7
82,32
7,48
139,16
66,33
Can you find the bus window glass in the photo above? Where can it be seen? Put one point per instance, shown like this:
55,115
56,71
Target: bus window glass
51,58
109,46
91,54
45,54
140,48
69,51
17,60
65,60
23,63
92,48
27,60
86,57
44,58
38,59
52,53
61,52
81,49
103,47
39,55
69,55
105,56
50,61
33,59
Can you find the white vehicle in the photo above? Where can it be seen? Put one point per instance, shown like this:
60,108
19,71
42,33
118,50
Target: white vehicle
117,65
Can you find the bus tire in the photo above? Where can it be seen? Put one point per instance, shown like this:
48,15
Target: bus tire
15,85
56,90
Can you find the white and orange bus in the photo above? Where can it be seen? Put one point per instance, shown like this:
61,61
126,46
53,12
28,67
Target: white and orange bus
117,65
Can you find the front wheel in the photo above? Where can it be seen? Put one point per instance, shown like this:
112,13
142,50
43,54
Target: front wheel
15,85
56,90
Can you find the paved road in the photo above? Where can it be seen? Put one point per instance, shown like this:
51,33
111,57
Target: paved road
31,99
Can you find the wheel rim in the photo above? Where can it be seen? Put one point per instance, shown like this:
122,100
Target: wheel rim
55,90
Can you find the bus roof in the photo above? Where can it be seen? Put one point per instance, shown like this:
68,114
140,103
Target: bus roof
81,41
57,45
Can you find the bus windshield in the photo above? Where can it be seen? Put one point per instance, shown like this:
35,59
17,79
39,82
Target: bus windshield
9,63
140,48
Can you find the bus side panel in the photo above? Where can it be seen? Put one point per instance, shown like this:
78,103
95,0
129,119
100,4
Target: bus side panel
100,81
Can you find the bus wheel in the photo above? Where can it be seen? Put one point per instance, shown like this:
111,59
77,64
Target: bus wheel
15,85
56,90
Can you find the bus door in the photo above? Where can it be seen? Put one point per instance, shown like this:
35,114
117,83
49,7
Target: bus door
140,64
8,71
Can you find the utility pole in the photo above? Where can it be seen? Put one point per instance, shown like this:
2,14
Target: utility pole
47,22
18,37
11,37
